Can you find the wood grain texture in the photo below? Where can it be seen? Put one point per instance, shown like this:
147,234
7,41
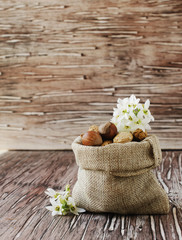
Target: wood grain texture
25,175
63,64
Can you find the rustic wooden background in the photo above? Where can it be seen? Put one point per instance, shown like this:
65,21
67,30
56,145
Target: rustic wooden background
63,64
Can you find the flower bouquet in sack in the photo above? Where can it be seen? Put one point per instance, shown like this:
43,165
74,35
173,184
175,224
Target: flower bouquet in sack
115,163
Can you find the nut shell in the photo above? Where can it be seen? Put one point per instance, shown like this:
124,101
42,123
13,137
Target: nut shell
107,142
104,128
139,134
108,130
91,138
94,128
123,137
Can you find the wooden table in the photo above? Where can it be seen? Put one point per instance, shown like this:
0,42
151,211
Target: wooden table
25,175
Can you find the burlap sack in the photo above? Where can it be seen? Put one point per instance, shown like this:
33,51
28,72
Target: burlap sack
118,178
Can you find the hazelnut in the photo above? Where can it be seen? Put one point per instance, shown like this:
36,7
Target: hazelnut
91,138
123,137
108,130
107,142
94,128
139,134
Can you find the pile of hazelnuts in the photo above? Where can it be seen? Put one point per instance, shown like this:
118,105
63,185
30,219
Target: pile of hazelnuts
107,133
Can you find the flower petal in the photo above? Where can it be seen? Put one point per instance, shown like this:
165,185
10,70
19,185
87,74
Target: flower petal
71,201
50,192
81,210
147,104
53,202
50,208
55,213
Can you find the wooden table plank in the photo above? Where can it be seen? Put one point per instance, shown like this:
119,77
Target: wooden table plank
25,175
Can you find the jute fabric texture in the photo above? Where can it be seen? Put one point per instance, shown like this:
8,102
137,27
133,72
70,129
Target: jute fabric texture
119,178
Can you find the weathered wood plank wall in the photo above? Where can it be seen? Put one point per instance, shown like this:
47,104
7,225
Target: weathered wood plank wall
63,64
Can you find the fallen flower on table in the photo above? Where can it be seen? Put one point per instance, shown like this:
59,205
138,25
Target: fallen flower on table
62,202
53,194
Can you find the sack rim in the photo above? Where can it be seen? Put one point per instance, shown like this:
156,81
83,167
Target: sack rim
77,142
127,159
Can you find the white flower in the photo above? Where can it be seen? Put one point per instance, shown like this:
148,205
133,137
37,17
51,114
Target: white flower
71,201
62,202
133,100
56,207
73,207
130,115
51,193
76,210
